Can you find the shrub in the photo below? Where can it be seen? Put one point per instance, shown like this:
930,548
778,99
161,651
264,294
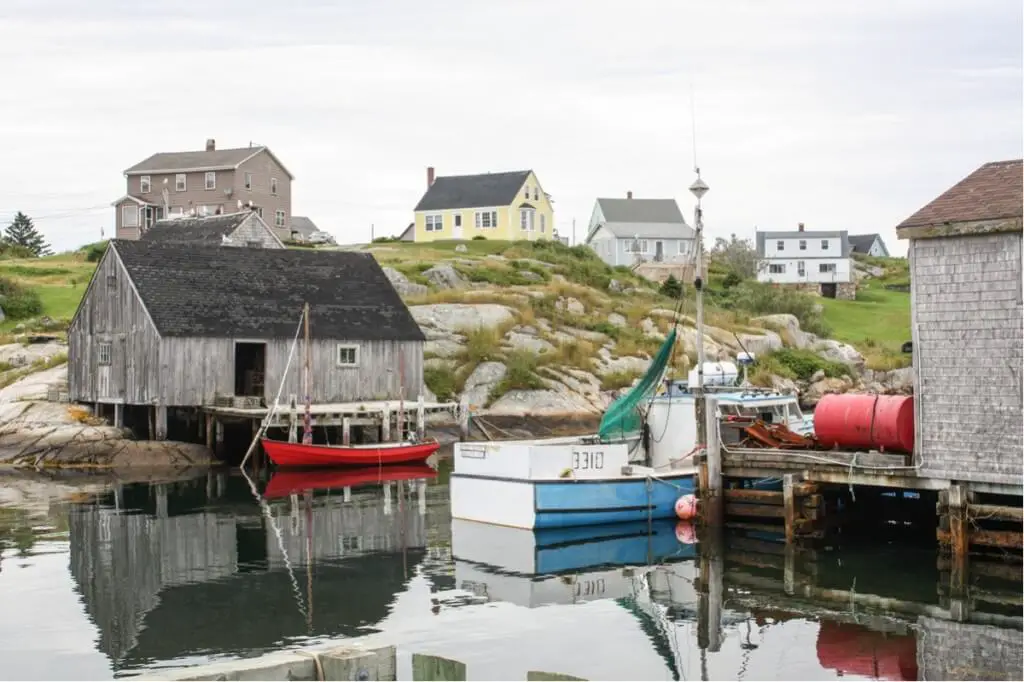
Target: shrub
671,287
731,280
799,364
18,302
479,238
520,375
764,299
12,250
441,381
482,344
616,380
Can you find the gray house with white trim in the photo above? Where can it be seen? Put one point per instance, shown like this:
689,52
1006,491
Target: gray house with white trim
631,231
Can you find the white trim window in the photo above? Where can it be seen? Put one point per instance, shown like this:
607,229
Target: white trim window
536,193
824,245
273,186
803,244
278,218
527,195
180,183
434,222
248,181
211,180
145,185
780,245
486,219
104,351
777,269
543,222
636,246
801,269
824,268
348,355
526,218
129,216
684,247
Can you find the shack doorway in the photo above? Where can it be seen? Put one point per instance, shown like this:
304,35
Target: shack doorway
250,365
828,289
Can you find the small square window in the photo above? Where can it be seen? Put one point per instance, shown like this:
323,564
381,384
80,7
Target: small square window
348,356
103,352
273,186
112,282
211,180
179,182
803,244
129,216
144,185
824,245
434,223
248,181
780,245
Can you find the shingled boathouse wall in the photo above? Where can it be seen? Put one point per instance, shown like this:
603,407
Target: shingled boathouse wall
162,325
968,344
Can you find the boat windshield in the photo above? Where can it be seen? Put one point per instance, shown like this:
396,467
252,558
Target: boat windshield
772,413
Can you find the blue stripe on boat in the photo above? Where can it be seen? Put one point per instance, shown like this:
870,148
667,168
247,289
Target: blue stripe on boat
617,545
581,503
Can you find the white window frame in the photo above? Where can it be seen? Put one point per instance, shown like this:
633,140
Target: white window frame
801,268
527,192
347,347
780,245
826,268
824,245
491,219
683,248
145,185
259,211
210,179
180,182
527,219
104,353
248,181
433,222
536,193
803,244
543,222
279,218
132,211
273,186
777,268
642,244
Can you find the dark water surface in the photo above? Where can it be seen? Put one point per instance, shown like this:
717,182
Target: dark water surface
99,580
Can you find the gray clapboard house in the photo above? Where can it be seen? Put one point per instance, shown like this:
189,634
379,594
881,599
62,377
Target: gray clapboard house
170,325
245,228
966,317
628,231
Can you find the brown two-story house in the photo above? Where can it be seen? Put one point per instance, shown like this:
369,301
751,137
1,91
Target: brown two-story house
206,182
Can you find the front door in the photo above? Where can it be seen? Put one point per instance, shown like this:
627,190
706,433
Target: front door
457,226
659,252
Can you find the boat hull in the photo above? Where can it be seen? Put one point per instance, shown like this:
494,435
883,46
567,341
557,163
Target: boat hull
303,455
288,481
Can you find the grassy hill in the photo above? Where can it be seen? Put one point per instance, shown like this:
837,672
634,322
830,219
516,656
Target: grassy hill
536,279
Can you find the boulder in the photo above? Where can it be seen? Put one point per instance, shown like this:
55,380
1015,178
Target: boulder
616,319
650,329
461,248
443,348
759,344
444,276
530,275
19,355
827,385
481,382
451,317
894,382
402,285
527,342
615,286
609,364
837,351
789,328
571,305
587,335
784,385
542,402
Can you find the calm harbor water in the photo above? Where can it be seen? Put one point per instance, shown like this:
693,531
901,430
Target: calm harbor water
99,580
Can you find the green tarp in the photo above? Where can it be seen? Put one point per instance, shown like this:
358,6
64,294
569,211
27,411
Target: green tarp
623,418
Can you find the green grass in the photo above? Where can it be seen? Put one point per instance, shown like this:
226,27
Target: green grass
59,280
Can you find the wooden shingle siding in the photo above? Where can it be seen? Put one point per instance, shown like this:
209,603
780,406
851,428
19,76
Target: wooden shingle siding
967,651
252,230
968,352
197,369
111,312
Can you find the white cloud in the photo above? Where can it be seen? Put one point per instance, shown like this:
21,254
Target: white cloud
845,116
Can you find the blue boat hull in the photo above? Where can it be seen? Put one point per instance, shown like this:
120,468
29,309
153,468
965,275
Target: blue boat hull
595,502
566,550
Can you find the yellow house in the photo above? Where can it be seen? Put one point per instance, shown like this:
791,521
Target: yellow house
509,205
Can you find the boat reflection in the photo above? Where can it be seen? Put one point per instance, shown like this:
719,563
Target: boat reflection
285,482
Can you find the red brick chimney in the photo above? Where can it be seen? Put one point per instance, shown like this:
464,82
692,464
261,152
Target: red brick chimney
629,194
800,227
430,176
211,145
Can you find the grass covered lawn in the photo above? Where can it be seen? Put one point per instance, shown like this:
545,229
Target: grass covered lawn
59,280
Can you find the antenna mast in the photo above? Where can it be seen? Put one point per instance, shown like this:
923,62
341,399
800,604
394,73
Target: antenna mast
699,188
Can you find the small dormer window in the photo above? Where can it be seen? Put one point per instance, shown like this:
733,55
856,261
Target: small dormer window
527,192
536,193
780,245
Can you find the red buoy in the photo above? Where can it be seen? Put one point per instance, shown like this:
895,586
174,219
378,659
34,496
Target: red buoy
867,422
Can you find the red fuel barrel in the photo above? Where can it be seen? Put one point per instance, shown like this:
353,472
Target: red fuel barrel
877,422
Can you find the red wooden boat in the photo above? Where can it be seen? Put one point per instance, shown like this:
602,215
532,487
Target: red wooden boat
284,482
309,455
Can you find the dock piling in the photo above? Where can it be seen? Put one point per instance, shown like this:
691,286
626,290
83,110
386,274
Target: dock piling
346,431
712,495
421,418
385,424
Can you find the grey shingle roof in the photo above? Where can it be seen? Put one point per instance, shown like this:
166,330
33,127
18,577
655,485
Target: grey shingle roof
640,211
217,159
259,293
861,243
303,225
763,237
208,230
992,192
472,191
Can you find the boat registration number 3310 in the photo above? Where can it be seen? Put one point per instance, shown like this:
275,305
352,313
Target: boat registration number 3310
583,460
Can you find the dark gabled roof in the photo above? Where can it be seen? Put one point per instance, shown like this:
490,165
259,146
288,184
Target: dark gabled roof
473,191
245,292
861,243
195,161
303,225
992,192
761,238
640,211
209,230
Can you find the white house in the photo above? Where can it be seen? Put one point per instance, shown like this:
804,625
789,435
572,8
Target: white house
868,244
816,261
629,231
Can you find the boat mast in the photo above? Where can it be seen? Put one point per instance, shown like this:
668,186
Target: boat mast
307,427
699,188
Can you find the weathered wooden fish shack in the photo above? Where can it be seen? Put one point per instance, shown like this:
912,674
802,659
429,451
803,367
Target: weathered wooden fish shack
175,339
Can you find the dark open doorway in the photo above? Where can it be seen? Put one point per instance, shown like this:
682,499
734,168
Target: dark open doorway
250,364
828,289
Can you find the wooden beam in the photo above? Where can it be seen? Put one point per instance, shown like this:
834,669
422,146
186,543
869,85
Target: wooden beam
753,496
1006,539
346,431
789,506
767,511
987,569
713,448
994,512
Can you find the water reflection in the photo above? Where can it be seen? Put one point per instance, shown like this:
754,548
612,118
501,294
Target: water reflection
183,572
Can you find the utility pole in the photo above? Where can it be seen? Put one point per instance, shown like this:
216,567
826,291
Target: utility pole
699,188
573,232
371,233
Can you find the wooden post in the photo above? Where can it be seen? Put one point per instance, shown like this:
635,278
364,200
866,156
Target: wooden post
218,427
346,494
958,535
387,498
209,431
713,502
789,505
293,424
161,422
346,431
118,415
161,500
421,418
421,497
464,418
385,424
152,423
712,590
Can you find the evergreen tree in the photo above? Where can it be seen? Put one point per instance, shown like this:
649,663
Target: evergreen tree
672,287
22,232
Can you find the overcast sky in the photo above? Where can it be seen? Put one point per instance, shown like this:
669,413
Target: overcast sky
842,115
